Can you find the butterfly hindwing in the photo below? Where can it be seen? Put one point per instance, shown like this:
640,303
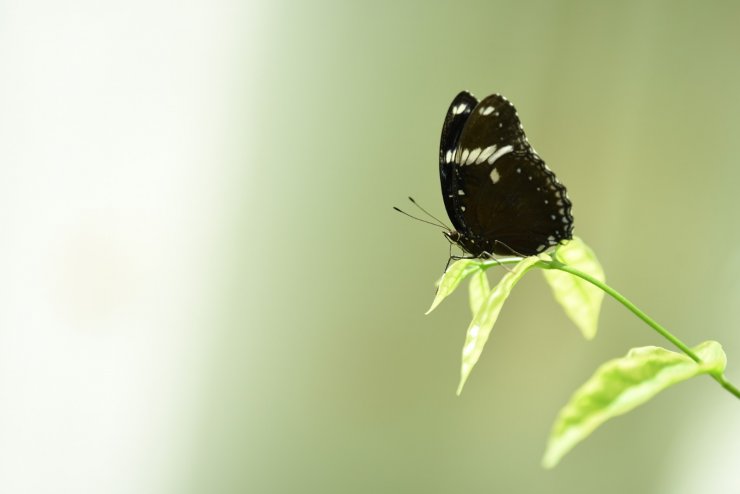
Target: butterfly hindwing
499,194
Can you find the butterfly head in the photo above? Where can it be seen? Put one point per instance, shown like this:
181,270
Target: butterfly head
467,244
453,236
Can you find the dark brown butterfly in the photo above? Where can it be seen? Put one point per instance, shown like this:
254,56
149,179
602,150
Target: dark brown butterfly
498,192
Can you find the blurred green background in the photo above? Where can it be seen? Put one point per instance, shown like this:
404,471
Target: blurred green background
329,378
207,290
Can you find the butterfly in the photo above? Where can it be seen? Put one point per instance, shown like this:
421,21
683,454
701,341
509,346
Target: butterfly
499,194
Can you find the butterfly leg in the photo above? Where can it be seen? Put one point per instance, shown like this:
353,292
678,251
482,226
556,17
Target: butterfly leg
456,258
488,255
509,248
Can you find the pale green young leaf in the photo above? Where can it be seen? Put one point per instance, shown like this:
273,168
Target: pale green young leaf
451,279
484,319
622,384
580,299
479,290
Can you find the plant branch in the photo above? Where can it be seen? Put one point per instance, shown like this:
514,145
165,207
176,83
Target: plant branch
554,264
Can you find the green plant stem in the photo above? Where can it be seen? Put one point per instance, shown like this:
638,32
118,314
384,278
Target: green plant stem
720,378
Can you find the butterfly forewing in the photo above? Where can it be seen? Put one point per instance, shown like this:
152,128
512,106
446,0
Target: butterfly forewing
500,195
457,115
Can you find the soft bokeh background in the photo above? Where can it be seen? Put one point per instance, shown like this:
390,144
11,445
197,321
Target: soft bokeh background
203,287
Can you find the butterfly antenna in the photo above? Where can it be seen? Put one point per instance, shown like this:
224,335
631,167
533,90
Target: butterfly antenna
429,214
419,219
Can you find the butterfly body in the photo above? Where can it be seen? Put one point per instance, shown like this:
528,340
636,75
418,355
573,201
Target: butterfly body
498,192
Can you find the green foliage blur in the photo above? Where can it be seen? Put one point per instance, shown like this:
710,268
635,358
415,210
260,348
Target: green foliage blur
328,378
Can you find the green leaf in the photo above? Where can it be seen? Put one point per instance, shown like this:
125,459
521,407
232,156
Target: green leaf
479,290
580,299
622,384
451,279
484,319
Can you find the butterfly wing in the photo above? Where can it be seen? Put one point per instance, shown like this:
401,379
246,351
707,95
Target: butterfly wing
504,197
458,113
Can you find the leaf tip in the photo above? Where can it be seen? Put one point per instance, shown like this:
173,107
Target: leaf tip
554,452
463,377
548,461
437,300
589,334
460,387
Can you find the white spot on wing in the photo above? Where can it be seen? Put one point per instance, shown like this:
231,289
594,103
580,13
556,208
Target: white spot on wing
485,154
464,156
459,109
495,176
472,156
460,192
504,150
486,111
448,156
